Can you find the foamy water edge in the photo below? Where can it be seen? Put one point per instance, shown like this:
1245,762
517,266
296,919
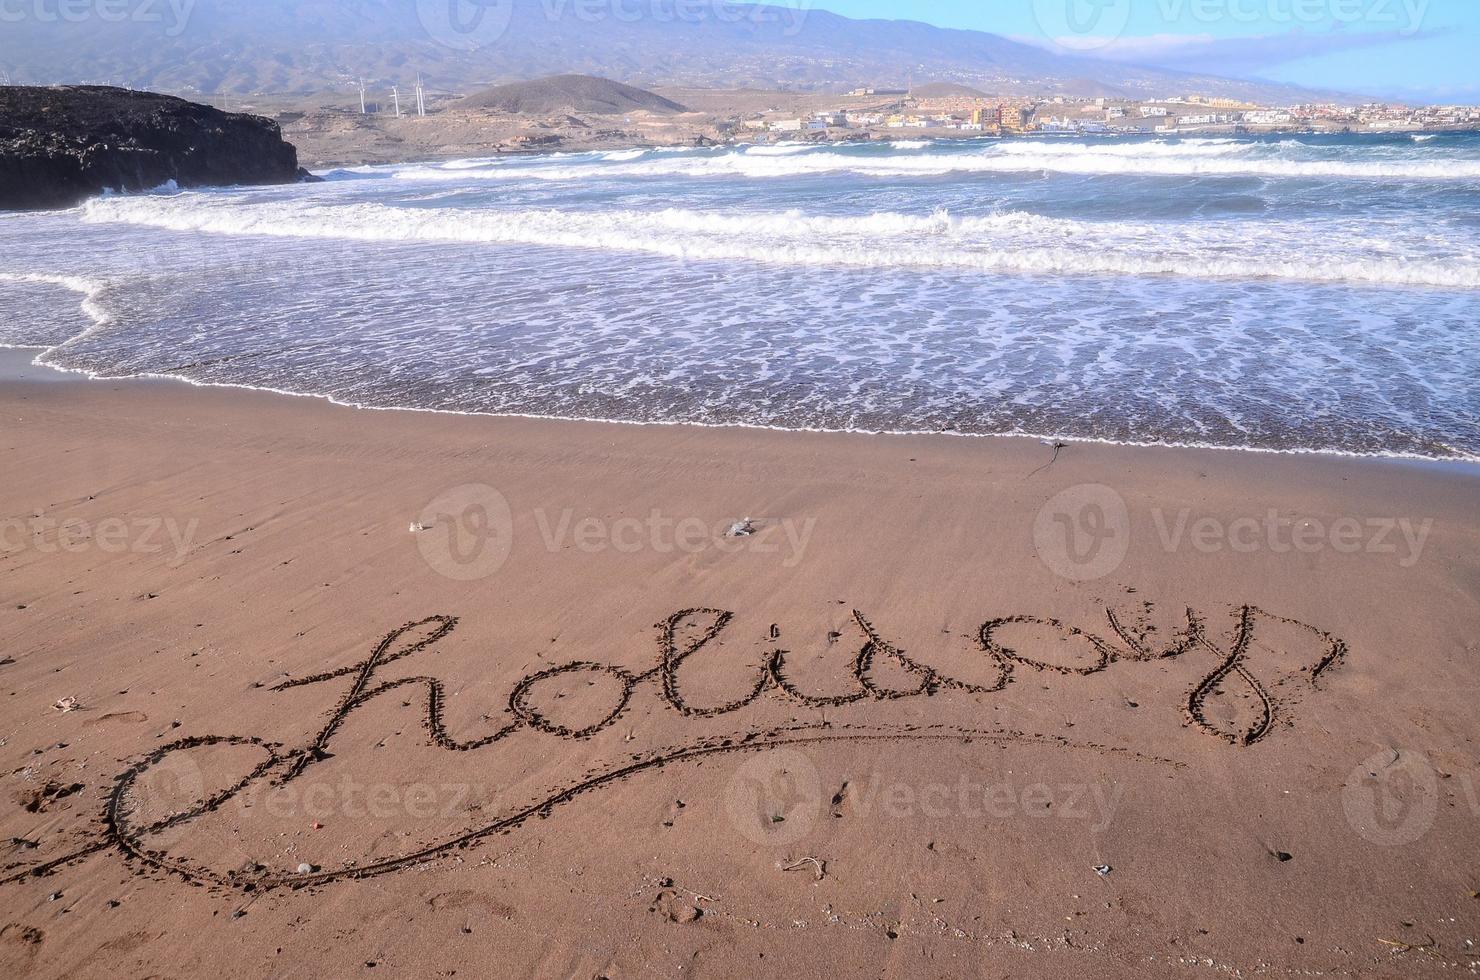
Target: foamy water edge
43,359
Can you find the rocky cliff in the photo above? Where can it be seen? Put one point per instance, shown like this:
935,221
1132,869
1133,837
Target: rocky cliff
61,145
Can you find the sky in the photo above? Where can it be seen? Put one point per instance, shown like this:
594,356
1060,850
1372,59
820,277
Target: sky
1414,49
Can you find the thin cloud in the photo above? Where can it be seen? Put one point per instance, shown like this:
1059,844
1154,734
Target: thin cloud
1246,55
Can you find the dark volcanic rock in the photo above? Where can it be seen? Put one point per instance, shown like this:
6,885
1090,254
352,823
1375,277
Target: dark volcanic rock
61,145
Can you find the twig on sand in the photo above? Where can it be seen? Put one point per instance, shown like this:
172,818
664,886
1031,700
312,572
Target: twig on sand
672,885
1058,447
819,866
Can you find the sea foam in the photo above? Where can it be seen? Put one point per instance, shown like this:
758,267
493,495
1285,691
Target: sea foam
1358,252
1189,158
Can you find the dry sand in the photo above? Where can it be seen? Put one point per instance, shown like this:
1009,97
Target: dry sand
895,794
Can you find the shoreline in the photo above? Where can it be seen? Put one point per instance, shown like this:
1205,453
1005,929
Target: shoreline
1469,466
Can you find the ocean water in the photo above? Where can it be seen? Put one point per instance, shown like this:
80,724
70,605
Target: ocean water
1284,293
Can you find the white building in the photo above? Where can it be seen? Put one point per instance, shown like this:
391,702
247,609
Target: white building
1204,119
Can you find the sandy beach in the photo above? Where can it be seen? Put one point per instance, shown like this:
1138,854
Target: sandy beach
301,690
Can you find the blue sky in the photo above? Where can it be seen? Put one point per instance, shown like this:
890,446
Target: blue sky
1418,49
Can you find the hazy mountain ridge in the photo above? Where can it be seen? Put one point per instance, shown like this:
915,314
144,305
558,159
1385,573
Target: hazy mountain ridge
285,46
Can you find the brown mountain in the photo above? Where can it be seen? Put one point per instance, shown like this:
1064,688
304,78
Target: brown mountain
583,94
947,90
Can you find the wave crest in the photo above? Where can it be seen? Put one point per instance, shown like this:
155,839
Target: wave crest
1352,252
1176,158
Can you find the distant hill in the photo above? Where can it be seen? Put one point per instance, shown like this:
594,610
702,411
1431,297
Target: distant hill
583,94
947,90
287,47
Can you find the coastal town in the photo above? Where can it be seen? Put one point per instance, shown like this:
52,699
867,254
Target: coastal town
947,109
576,113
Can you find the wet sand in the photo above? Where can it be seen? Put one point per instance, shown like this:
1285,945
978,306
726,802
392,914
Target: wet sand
300,690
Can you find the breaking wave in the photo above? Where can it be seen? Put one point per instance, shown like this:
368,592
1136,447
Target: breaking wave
1335,313
1180,158
1354,252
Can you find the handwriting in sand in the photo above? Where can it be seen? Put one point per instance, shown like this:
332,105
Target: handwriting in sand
680,637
